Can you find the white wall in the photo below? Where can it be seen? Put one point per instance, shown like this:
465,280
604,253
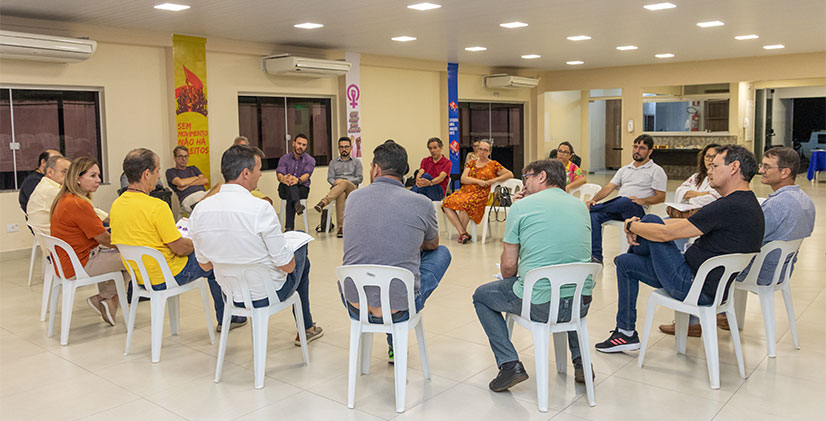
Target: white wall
596,122
564,108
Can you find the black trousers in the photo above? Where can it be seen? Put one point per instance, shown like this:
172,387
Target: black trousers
292,194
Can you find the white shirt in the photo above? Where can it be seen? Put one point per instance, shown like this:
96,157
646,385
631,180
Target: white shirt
39,207
691,185
234,226
643,181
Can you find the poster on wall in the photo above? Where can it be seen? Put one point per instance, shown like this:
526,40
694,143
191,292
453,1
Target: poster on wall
353,97
453,117
191,111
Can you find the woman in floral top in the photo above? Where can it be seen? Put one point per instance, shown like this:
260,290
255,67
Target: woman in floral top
574,175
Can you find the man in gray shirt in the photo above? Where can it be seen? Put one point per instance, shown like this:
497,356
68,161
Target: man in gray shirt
344,175
390,225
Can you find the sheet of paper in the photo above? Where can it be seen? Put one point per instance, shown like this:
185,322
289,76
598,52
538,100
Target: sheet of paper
683,207
183,227
296,239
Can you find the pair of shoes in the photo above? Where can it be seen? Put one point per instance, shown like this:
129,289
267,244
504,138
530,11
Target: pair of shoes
312,333
722,321
510,374
101,307
340,233
319,207
390,355
579,371
619,342
234,323
299,208
695,331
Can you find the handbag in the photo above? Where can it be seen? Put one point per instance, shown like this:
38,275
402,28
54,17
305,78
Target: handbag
501,199
323,222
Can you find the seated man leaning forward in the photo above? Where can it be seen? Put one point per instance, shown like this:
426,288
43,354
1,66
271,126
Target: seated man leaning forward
138,219
390,225
432,176
344,175
186,180
731,224
641,183
233,226
546,227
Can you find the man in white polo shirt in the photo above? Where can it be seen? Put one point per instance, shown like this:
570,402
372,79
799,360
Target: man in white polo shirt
233,226
641,183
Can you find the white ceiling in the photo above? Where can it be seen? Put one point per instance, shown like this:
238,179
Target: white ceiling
367,26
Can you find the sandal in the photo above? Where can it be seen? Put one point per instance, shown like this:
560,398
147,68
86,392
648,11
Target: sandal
465,238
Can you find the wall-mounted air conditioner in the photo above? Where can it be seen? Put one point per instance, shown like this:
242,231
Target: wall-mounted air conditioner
287,65
23,46
510,82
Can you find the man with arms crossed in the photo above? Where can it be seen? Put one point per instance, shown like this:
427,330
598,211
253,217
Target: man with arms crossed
344,175
731,224
186,180
641,183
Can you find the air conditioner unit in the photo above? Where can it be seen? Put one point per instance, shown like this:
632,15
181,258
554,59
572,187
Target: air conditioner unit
510,82
287,65
23,46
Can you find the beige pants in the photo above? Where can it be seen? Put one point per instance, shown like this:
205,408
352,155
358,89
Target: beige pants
101,262
339,193
191,200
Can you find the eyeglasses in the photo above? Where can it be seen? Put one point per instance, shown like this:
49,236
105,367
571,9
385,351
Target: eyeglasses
344,146
181,156
525,176
765,167
561,152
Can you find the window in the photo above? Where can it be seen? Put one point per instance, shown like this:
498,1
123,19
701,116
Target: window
68,121
504,123
266,120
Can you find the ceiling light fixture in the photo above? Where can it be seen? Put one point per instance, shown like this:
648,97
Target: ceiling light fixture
710,24
660,6
309,25
424,6
404,38
531,56
774,46
172,7
664,55
575,62
627,47
512,25
745,37
475,49
579,38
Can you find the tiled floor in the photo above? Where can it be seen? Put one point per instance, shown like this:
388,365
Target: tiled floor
90,377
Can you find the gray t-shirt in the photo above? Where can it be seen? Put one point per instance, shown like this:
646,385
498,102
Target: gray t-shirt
386,224
643,181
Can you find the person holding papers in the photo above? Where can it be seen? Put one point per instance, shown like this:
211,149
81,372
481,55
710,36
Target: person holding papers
695,192
234,227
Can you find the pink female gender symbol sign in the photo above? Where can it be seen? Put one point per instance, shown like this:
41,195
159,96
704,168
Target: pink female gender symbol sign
353,95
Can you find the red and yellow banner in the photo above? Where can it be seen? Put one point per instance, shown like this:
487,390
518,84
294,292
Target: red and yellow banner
189,56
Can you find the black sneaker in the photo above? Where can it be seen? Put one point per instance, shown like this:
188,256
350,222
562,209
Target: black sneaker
618,342
510,374
579,371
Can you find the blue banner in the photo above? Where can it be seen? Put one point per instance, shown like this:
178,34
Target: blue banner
453,118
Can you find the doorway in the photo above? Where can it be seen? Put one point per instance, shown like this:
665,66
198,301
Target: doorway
605,131
613,133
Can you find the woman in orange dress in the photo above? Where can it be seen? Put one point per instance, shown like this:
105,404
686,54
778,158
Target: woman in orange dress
469,202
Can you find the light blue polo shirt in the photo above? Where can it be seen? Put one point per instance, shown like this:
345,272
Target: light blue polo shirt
551,227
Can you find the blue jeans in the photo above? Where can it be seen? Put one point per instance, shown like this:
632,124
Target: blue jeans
616,209
432,268
660,265
497,297
434,193
298,281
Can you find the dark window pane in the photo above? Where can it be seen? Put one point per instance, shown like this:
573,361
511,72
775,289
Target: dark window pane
273,130
248,122
36,125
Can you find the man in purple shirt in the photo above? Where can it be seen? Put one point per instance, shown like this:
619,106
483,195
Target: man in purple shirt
293,172
186,181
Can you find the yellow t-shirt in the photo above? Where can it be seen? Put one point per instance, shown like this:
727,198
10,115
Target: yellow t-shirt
138,219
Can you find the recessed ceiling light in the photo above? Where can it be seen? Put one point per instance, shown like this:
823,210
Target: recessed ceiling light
172,7
403,39
579,38
512,25
627,47
531,56
575,62
774,46
664,55
660,6
744,37
309,25
475,49
710,24
424,6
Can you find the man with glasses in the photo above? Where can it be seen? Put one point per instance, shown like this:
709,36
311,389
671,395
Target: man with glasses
186,180
731,224
344,175
641,183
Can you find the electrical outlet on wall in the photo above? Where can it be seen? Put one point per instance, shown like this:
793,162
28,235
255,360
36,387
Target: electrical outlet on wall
12,227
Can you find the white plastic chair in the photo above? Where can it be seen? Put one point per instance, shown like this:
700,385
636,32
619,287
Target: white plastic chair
779,282
623,240
69,286
361,331
283,214
136,255
514,184
731,264
31,259
234,280
48,275
559,275
586,191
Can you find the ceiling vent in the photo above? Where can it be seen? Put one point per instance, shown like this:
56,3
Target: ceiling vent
510,82
23,46
287,65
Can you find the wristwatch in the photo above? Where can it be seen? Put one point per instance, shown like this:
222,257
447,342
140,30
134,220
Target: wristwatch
628,226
